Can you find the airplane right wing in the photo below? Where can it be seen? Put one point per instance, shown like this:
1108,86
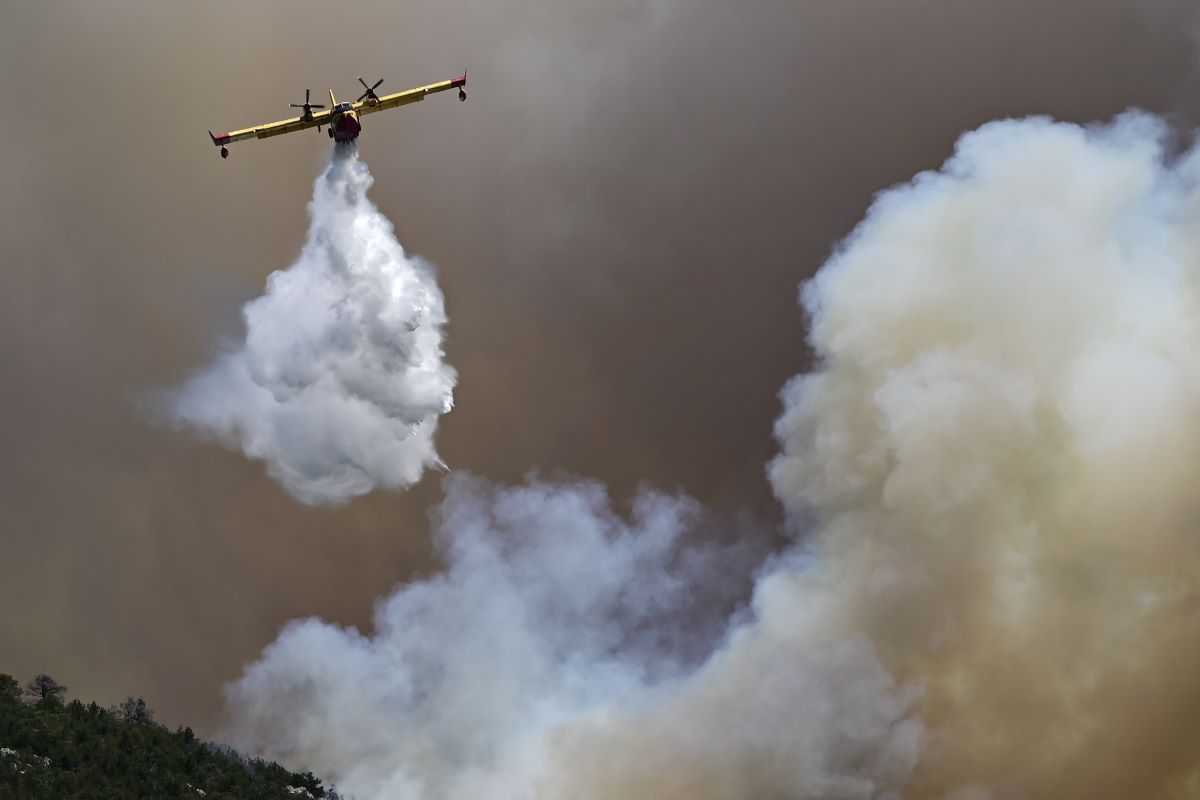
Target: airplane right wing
411,96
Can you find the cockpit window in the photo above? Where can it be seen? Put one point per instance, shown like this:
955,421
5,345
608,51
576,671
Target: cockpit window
345,106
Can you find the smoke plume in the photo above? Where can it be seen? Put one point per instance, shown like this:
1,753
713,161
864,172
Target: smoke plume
1001,446
553,606
340,381
994,461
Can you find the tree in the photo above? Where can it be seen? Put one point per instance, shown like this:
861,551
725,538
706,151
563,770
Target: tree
43,687
72,751
10,690
135,710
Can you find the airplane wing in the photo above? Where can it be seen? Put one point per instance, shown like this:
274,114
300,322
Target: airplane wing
370,106
272,128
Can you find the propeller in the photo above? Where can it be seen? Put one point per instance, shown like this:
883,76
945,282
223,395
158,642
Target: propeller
307,106
370,91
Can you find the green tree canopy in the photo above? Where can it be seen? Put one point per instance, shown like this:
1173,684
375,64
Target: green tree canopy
55,751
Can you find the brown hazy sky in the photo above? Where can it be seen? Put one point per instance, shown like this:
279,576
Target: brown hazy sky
620,213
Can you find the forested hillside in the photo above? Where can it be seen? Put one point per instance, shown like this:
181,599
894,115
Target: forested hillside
56,750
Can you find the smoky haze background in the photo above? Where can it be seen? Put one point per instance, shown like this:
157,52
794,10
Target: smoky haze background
995,455
620,214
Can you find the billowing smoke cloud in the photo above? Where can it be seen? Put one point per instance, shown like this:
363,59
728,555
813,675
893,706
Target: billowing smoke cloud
996,458
341,379
553,606
1002,445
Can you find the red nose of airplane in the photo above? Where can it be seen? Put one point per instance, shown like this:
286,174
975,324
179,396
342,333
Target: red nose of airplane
346,127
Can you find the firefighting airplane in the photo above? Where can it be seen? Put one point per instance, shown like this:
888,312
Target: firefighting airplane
341,118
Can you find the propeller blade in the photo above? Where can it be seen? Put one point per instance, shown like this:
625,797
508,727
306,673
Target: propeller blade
370,90
315,105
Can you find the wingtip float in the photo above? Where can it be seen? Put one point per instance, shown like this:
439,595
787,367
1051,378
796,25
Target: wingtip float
342,119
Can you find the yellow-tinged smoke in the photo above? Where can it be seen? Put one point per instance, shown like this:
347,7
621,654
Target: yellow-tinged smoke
996,457
1002,443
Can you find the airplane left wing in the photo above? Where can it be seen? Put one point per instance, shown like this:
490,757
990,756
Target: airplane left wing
370,106
272,129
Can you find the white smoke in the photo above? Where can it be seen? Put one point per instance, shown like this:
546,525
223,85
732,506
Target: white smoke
554,659
1002,445
553,607
997,453
341,379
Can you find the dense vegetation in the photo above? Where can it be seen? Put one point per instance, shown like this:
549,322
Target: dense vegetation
55,750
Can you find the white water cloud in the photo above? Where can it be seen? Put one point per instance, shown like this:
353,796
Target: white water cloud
340,381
